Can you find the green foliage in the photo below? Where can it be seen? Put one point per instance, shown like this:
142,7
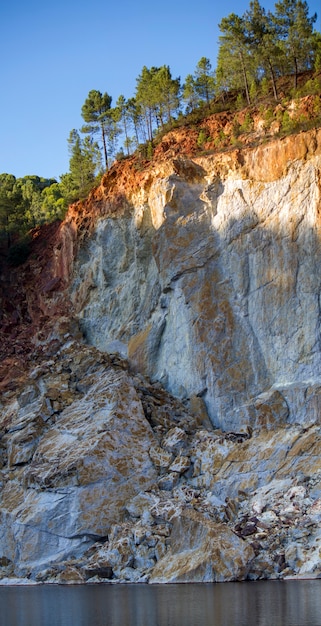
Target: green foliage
204,81
234,58
247,124
260,45
146,98
235,142
294,29
253,91
10,205
97,115
240,101
287,123
157,99
264,86
146,150
236,128
124,117
54,202
190,95
150,150
317,107
33,190
84,164
27,202
268,118
120,156
262,39
221,140
311,87
203,137
256,50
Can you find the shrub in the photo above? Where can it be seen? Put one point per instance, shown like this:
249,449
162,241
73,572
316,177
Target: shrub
265,88
120,156
247,125
236,127
202,137
253,91
287,123
220,139
268,118
240,102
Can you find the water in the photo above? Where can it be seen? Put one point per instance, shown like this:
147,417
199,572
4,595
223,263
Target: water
266,603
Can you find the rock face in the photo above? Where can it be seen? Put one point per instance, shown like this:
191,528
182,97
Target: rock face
209,282
161,420
76,448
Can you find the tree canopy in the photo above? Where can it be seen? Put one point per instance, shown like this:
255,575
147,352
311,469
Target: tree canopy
256,49
259,44
22,204
96,113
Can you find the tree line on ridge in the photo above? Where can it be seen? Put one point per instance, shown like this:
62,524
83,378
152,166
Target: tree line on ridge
256,49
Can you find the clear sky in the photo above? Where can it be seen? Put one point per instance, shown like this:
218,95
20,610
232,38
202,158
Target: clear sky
53,53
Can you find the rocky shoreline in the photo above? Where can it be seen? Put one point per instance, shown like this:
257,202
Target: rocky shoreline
108,478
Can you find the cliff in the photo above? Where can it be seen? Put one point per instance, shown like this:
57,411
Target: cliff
161,373
208,280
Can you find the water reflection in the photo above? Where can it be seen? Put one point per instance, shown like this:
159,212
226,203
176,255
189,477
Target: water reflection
290,603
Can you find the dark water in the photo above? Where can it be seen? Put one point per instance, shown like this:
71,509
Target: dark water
288,603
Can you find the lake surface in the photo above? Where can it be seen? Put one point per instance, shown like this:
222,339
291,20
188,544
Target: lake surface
264,603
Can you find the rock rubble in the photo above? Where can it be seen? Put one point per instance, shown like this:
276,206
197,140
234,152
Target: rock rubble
107,477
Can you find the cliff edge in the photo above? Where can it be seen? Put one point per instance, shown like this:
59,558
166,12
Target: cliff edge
161,373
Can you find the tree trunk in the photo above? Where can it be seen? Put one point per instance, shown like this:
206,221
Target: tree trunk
296,73
126,136
103,134
150,126
245,79
275,93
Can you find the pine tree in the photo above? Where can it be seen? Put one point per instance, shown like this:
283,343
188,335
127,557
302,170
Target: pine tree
113,130
146,99
124,118
262,38
136,120
234,54
157,96
189,93
95,112
204,80
166,92
84,165
295,31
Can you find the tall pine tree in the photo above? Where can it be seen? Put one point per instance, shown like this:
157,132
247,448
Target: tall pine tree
263,40
295,32
95,112
84,165
234,54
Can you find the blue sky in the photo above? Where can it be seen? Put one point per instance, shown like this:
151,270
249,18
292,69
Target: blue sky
53,54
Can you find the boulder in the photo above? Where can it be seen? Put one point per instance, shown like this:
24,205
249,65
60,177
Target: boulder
202,551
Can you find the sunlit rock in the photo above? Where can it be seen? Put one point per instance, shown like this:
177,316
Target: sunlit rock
202,551
215,291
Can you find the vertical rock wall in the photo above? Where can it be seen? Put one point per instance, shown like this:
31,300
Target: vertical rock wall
211,282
